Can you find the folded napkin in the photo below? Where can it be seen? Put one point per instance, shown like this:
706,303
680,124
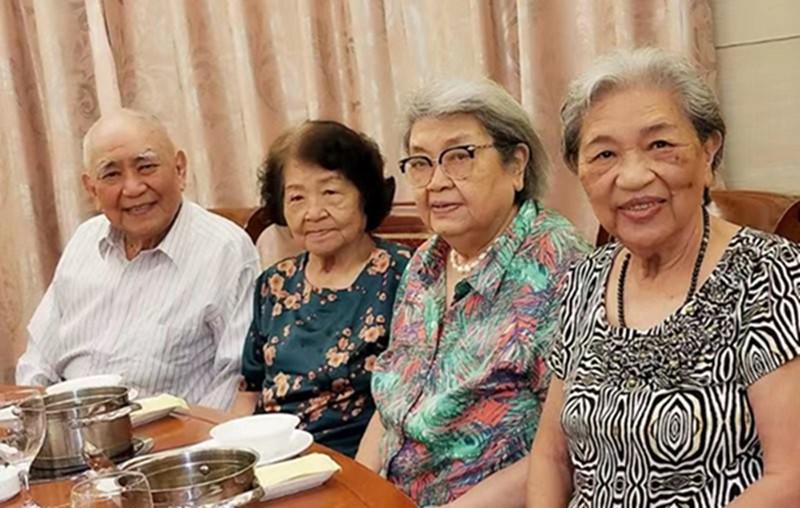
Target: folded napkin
154,408
295,475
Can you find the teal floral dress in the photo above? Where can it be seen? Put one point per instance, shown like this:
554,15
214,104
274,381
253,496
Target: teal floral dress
311,351
460,388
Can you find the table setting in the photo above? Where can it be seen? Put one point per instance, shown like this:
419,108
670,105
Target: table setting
85,432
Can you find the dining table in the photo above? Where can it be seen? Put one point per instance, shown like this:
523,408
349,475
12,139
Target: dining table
354,486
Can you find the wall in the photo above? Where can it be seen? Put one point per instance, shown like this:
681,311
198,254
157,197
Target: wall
758,64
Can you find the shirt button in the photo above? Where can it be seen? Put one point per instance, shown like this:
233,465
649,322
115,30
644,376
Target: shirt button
631,383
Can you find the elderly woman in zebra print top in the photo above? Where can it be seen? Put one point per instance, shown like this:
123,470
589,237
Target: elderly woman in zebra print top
676,378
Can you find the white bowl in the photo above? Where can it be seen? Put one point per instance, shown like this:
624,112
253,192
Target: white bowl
267,433
9,482
84,382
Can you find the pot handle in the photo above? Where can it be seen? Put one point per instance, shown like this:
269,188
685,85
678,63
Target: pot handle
105,417
238,500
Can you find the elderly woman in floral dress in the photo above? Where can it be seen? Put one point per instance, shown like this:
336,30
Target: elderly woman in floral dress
321,318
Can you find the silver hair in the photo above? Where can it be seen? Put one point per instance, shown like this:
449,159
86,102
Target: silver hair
630,68
148,120
499,113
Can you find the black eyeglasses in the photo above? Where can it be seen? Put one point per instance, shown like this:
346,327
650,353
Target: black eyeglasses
456,162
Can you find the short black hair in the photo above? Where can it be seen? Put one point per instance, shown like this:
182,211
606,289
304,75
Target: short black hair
336,147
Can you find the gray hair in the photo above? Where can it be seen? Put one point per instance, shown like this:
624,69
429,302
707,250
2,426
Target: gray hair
149,121
629,68
499,113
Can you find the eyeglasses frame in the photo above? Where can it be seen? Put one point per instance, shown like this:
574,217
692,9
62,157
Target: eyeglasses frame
471,149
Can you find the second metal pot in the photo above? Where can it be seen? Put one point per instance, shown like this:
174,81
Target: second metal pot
99,415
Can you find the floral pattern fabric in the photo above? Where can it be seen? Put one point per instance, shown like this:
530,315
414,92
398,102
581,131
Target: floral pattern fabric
460,389
311,351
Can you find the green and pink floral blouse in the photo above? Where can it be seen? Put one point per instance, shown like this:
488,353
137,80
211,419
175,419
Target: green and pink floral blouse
311,351
460,389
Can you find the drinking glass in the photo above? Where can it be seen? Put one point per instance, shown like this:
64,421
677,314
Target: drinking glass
117,489
22,430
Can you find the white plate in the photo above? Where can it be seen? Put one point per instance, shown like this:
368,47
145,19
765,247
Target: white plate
299,441
84,382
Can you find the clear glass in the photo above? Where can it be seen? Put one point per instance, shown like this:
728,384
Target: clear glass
115,489
22,431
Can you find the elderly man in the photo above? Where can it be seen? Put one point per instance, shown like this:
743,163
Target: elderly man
155,288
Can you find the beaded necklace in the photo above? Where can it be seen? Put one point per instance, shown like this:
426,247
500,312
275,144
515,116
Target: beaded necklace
698,264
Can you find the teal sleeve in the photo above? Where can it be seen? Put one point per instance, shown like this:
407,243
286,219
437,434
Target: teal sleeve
253,355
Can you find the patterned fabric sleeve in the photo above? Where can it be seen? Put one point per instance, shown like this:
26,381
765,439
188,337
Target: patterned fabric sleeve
408,267
558,358
401,256
772,336
252,355
571,249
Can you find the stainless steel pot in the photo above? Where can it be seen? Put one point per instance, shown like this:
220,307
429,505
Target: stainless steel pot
211,477
99,415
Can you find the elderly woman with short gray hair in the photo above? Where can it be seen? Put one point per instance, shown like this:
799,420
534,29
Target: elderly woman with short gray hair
460,388
676,375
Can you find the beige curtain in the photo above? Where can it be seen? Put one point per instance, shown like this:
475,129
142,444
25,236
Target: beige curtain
227,75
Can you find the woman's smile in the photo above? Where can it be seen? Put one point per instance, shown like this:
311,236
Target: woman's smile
641,209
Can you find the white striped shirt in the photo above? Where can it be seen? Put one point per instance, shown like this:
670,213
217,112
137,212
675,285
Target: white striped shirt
173,319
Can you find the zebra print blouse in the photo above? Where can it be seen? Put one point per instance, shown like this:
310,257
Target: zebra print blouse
660,417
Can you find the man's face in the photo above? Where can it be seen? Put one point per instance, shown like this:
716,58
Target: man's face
135,177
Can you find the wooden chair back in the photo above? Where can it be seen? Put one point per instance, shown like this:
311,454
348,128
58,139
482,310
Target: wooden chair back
253,220
257,222
408,230
789,223
238,215
756,209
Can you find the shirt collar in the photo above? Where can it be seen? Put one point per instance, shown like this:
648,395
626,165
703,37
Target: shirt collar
109,240
433,260
487,276
172,245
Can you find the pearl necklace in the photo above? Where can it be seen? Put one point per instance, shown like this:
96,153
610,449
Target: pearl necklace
464,268
468,266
